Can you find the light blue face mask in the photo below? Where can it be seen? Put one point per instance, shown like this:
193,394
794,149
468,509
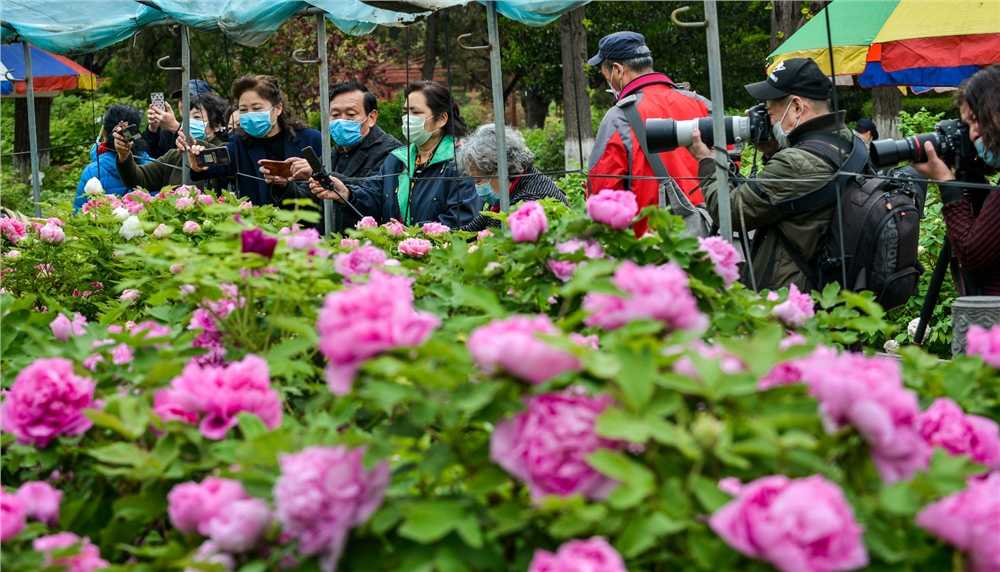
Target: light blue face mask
345,132
197,128
256,123
485,192
988,157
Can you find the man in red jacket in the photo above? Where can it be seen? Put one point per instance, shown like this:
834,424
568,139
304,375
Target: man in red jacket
627,65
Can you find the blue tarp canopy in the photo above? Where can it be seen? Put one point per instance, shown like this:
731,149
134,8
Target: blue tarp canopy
72,27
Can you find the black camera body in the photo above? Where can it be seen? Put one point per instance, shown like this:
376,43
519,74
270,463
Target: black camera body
669,134
950,139
131,133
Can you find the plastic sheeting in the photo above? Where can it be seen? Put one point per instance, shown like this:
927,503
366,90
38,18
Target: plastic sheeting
535,12
68,26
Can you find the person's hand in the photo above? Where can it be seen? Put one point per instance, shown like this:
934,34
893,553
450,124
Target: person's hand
122,147
767,148
272,179
697,148
300,169
934,169
181,142
167,119
192,152
153,118
318,190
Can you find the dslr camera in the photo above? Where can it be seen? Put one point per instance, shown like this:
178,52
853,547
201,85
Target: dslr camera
669,134
950,139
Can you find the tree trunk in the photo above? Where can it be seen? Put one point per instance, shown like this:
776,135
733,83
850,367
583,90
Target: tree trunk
430,47
536,109
22,146
886,104
576,100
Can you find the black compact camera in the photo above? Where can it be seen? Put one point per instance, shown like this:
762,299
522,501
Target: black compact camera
131,133
950,139
669,134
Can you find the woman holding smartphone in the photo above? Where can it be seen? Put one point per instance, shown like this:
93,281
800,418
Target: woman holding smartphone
267,132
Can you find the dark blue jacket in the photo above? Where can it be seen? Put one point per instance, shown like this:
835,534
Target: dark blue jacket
243,158
451,202
109,177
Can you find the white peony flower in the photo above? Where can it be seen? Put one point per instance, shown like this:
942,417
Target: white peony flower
891,346
120,213
13,254
93,187
911,328
162,231
131,228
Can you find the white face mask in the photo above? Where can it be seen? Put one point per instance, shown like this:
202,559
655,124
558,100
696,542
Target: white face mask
413,130
614,92
780,135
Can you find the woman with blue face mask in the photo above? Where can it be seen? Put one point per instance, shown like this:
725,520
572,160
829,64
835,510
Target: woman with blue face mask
266,131
477,156
972,215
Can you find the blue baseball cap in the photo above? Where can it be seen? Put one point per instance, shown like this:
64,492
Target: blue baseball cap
620,46
195,86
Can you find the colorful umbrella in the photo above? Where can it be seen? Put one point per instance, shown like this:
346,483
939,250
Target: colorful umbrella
900,42
51,72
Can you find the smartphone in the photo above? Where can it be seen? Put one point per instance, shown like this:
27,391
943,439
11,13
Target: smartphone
277,168
212,157
156,98
131,133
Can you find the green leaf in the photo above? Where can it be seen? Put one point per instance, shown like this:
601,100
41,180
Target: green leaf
567,526
386,518
429,520
487,480
290,348
477,297
119,454
708,494
251,425
468,530
642,534
636,381
900,499
637,481
617,424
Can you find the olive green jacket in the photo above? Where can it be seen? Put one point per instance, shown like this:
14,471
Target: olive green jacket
165,171
788,174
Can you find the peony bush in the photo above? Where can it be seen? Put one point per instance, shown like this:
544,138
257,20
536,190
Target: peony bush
193,383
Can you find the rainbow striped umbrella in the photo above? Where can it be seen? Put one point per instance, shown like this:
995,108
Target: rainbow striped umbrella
913,43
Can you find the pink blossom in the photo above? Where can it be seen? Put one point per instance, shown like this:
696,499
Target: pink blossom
205,199
562,269
528,222
130,295
52,233
945,425
324,492
12,514
546,446
62,328
591,341
395,228
304,240
483,234
349,243
176,268
366,222
209,553
654,292
415,247
192,505
359,262
984,343
513,345
800,525
968,521
796,309
254,241
122,354
729,364
219,394
616,209
724,257
41,502
161,231
791,371
47,400
240,525
88,559
594,555
435,228
12,229
184,203
364,320
191,227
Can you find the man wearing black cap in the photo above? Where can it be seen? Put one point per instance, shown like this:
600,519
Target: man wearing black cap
627,66
796,93
162,126
867,130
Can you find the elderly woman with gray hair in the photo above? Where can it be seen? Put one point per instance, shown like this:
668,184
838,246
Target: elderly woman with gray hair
477,156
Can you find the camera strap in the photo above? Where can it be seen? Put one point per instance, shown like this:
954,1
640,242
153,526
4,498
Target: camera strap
829,148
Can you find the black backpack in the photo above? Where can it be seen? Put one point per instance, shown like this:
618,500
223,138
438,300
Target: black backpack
881,225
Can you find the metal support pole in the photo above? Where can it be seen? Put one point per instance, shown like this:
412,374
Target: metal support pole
186,100
498,107
32,132
324,115
718,120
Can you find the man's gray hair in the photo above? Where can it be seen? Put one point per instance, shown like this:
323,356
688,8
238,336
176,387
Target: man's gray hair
478,152
639,64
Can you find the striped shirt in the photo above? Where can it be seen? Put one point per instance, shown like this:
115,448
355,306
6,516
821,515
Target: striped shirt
531,185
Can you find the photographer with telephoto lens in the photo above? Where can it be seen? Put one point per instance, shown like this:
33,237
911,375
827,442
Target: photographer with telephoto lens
971,215
808,145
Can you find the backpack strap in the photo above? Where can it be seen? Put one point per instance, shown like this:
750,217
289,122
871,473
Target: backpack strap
809,272
627,105
821,145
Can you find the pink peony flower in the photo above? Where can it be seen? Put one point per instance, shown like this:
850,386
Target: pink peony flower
176,268
184,203
192,505
367,222
219,394
616,209
483,234
12,514
364,320
415,247
563,269
968,520
546,446
256,242
161,231
513,345
88,559
240,525
52,233
395,228
800,525
435,228
984,343
725,258
591,341
730,364
41,502
359,262
796,309
322,493
945,425
349,243
594,555
130,295
209,553
528,222
47,400
63,328
191,227
655,292
12,229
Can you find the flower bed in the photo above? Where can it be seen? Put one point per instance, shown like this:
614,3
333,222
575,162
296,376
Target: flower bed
195,383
